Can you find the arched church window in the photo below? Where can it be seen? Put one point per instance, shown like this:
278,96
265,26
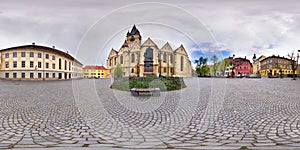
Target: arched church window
121,59
132,58
165,58
181,63
171,59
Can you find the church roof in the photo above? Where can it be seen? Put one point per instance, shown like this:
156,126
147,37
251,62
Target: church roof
134,30
167,47
182,49
125,44
149,42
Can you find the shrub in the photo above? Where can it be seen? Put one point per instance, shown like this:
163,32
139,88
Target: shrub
164,83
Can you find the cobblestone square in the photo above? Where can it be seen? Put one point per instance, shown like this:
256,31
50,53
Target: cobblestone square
208,114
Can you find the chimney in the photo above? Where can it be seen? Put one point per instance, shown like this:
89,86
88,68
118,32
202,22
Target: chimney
33,43
233,56
53,47
245,57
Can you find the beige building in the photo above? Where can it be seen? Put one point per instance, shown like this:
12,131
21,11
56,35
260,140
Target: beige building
256,67
34,62
276,65
137,59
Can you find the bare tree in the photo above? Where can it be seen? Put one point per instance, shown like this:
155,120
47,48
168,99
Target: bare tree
294,63
214,59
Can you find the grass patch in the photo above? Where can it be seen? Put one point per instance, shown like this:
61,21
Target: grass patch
164,83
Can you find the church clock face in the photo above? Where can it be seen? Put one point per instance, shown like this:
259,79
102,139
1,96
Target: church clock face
132,39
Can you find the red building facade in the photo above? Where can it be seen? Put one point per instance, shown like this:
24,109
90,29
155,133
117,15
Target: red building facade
242,66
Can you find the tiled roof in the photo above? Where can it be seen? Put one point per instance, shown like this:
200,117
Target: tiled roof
43,48
95,67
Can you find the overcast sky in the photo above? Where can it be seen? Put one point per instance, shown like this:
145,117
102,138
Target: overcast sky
88,29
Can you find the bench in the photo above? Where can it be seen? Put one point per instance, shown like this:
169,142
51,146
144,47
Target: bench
152,91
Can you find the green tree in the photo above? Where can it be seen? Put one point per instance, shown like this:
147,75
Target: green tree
200,62
203,70
118,71
224,65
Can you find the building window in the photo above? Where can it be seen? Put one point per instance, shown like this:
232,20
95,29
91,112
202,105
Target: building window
14,75
132,71
23,54
39,55
181,63
132,58
59,63
39,75
171,70
115,60
31,64
47,75
70,66
245,67
53,75
53,57
110,62
15,64
14,54
6,65
6,75
121,59
31,75
23,75
65,65
165,58
31,54
171,59
6,55
23,64
53,66
47,56
47,65
39,65
165,69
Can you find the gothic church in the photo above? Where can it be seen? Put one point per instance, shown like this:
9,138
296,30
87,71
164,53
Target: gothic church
137,59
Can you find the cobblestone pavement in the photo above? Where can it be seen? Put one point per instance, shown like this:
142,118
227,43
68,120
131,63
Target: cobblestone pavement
208,114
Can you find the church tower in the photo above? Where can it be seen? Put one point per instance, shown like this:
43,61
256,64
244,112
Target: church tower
133,37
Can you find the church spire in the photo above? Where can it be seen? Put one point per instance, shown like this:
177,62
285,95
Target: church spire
134,30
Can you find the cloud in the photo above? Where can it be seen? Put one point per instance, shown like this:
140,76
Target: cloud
226,27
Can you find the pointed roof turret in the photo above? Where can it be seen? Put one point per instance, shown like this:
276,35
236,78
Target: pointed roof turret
134,30
128,33
125,44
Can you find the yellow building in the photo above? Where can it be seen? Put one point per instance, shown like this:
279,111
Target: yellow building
256,66
94,72
275,65
34,62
